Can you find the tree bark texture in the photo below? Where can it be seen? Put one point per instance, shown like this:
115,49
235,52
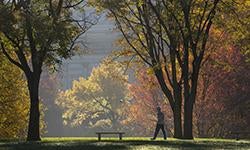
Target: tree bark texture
34,114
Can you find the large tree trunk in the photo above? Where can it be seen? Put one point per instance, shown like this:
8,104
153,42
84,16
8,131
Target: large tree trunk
189,103
177,113
177,122
188,120
34,115
174,103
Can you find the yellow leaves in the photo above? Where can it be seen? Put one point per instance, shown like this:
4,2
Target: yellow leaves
140,3
247,3
14,101
95,96
150,71
102,122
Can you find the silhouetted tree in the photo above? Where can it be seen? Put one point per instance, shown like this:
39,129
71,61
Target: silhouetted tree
38,33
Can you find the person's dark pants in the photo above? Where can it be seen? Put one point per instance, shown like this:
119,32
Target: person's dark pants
157,129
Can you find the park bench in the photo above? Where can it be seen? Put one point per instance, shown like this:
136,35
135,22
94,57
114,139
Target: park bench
238,133
112,132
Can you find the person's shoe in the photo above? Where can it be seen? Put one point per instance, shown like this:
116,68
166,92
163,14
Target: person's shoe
152,139
165,138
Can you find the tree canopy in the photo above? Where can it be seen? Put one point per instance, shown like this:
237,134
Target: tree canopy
97,100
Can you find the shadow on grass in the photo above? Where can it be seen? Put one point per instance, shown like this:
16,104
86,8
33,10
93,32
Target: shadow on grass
61,146
192,144
121,145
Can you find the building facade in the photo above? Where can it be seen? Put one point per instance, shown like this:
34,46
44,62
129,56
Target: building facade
99,43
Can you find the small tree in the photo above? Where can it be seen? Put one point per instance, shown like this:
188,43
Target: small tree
38,33
96,101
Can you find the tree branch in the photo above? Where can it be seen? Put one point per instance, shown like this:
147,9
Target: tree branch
10,58
128,41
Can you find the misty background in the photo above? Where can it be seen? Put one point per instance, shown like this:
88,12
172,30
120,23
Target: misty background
98,43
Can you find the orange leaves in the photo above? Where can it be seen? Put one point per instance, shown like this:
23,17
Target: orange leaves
146,95
223,91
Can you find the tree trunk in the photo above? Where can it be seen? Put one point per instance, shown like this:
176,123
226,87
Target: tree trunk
177,122
188,120
177,112
34,115
175,104
190,100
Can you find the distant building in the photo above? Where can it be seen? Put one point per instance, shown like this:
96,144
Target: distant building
99,40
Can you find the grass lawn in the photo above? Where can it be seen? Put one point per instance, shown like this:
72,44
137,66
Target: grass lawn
139,143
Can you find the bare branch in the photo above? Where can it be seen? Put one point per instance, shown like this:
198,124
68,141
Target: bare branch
127,39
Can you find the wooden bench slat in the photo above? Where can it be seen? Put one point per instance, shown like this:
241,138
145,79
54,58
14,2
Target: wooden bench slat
109,132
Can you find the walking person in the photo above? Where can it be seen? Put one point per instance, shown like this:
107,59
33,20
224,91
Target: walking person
160,124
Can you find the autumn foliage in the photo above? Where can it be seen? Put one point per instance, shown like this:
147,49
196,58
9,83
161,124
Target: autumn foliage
14,101
222,105
96,101
146,96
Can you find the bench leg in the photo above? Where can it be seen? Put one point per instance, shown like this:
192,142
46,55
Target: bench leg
99,137
120,136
